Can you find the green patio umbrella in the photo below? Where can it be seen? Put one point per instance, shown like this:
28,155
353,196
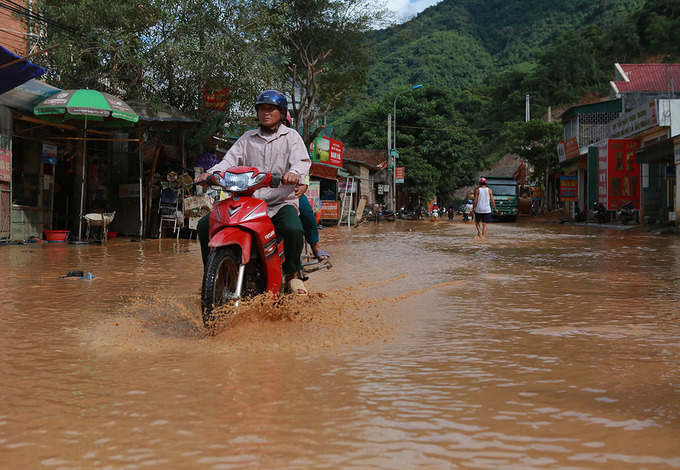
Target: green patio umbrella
88,106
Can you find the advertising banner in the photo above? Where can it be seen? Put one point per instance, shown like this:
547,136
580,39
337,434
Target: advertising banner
633,122
328,151
568,150
49,154
215,97
344,186
622,174
314,195
568,188
330,210
5,165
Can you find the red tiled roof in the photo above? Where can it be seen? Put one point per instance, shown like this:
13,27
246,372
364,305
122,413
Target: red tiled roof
369,157
649,78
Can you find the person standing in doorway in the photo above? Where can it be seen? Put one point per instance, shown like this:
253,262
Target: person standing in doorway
481,207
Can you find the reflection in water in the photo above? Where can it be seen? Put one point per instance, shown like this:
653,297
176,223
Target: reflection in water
544,346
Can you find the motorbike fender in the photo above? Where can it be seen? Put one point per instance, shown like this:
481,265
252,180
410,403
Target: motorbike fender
233,236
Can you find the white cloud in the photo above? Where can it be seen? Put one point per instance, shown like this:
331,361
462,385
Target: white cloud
408,8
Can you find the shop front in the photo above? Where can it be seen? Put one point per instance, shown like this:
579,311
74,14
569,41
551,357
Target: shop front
324,189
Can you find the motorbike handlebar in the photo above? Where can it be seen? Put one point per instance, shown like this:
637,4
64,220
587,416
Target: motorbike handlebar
276,180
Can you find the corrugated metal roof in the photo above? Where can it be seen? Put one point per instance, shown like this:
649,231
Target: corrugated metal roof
649,78
370,157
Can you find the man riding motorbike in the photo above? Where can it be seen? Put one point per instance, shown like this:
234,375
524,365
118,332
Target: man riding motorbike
276,148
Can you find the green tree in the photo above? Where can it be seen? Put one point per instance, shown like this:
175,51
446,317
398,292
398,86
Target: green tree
437,149
536,142
328,54
163,51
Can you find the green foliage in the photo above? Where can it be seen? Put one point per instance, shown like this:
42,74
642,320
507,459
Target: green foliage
327,55
536,142
658,26
163,51
459,43
438,150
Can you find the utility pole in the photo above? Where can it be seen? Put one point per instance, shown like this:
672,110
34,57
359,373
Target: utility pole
527,108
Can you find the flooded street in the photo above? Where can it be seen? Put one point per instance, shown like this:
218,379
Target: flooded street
545,346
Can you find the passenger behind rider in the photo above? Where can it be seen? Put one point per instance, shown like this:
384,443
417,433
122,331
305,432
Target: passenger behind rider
307,215
275,148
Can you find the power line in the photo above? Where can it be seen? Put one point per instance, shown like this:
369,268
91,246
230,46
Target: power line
382,124
22,11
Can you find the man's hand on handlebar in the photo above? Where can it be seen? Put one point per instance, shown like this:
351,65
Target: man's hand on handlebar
201,179
291,178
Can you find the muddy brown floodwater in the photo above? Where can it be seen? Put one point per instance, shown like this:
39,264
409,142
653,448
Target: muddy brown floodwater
545,346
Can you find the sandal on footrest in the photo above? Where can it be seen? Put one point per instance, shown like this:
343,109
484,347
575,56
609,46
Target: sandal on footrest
294,285
321,255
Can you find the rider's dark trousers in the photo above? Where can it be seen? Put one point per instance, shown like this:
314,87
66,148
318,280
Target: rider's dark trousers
287,225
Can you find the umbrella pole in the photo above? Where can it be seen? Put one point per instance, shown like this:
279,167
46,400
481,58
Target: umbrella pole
141,174
82,183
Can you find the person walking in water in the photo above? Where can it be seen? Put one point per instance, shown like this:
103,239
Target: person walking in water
481,207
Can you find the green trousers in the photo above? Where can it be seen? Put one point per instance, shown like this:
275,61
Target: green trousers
287,225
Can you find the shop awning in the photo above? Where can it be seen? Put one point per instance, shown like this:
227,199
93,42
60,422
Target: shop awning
323,170
28,95
659,152
14,70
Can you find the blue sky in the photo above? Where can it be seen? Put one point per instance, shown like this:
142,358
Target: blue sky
408,8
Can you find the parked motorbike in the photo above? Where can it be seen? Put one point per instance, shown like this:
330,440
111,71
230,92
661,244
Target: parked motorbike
627,213
408,215
388,215
246,256
600,212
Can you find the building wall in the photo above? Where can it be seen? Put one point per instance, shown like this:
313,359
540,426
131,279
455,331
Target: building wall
13,33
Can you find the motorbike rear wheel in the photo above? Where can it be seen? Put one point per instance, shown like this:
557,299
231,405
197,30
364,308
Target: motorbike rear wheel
219,283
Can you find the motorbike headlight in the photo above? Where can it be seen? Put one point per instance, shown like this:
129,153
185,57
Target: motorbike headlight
237,182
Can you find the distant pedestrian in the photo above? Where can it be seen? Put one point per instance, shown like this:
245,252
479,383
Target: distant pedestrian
481,206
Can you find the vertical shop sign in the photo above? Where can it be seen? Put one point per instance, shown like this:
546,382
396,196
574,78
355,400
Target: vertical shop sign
623,173
399,174
5,165
602,176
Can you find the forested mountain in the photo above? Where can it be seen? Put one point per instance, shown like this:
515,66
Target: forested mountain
478,59
456,44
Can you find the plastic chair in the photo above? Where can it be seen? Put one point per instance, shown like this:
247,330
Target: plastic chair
169,211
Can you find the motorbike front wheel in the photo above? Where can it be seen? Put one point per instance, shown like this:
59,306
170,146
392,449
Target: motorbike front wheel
624,219
219,283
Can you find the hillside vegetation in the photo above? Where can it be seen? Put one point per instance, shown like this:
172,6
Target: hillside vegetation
456,44
478,59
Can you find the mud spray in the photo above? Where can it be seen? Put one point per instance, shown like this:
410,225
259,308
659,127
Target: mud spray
333,320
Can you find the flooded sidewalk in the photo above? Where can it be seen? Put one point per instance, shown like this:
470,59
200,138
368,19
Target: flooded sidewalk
544,346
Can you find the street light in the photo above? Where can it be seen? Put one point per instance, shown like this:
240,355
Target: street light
394,148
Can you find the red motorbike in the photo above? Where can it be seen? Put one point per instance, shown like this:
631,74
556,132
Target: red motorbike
245,255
